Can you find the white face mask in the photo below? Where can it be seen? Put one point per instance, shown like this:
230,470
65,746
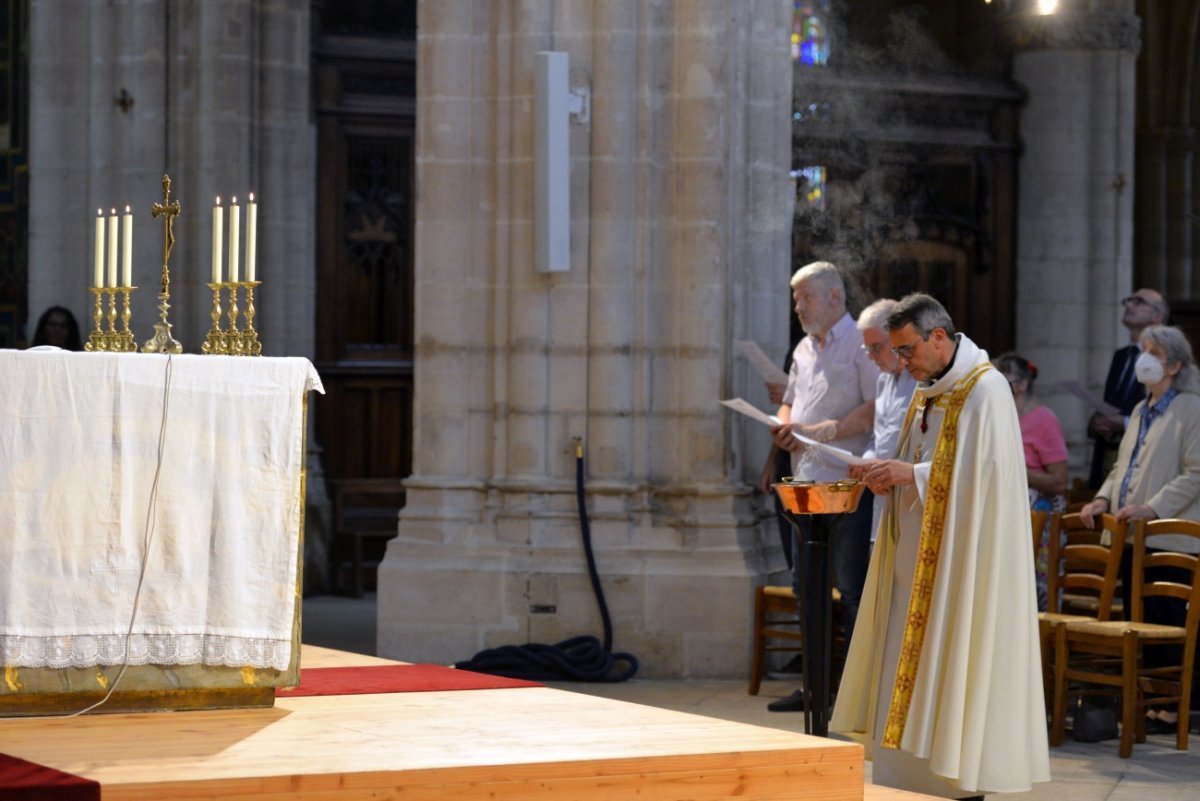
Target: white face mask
1148,368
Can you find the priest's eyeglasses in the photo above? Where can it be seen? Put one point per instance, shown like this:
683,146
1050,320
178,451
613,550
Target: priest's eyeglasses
906,351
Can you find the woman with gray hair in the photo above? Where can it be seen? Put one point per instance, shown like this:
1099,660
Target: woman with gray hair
1157,474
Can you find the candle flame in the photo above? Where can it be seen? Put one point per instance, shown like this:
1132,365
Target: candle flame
218,200
235,200
126,209
251,197
114,211
99,212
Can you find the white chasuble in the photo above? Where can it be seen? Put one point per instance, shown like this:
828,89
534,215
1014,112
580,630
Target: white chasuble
943,678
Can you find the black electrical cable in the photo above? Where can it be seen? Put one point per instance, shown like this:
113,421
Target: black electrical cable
582,658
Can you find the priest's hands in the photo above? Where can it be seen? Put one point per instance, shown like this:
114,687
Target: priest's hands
880,476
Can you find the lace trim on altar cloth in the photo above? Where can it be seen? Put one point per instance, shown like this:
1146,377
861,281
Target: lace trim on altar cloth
90,650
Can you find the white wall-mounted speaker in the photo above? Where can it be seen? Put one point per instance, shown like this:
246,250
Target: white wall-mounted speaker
552,164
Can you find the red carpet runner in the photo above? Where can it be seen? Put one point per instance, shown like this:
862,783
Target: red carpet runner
29,781
393,679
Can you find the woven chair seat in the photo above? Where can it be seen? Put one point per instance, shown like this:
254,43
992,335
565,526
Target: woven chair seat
1116,628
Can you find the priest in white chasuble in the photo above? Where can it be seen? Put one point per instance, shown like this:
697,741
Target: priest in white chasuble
943,678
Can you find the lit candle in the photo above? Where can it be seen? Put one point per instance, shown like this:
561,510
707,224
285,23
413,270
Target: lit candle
112,249
218,223
127,249
251,236
98,278
235,220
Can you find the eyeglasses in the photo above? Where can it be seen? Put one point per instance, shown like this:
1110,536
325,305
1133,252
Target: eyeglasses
875,349
1135,300
906,351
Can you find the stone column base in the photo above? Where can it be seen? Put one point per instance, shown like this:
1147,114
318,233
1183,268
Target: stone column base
475,568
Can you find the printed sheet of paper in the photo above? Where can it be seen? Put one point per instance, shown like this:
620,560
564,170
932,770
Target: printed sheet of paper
1094,402
761,362
754,413
751,411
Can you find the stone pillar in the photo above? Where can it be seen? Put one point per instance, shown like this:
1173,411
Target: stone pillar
216,95
1075,203
680,214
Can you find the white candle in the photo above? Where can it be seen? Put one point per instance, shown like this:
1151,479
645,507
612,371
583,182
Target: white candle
112,249
235,221
127,249
218,222
98,277
251,236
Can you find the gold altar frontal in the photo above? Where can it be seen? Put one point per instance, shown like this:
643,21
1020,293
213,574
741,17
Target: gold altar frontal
524,743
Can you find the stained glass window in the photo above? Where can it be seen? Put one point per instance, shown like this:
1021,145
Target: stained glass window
810,186
810,34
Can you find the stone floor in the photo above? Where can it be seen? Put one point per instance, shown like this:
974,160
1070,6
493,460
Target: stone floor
1081,772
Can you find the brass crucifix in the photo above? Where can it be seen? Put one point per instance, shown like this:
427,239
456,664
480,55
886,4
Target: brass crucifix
162,341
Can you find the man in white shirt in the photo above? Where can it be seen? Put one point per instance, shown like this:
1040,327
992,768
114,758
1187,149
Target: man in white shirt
830,398
893,392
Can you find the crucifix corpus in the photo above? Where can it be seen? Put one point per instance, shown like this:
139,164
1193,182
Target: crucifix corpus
162,341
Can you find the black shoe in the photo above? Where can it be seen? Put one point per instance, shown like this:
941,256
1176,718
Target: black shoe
792,703
792,671
971,798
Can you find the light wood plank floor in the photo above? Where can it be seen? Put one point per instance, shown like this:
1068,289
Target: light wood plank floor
525,743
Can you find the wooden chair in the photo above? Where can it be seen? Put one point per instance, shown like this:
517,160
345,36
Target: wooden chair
1081,580
1115,647
364,510
776,617
1037,522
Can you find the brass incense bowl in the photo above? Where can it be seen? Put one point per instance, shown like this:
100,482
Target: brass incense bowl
819,497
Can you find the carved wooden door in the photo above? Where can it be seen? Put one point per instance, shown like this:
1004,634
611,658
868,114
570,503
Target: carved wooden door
365,99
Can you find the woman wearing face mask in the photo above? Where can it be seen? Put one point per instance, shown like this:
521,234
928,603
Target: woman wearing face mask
1157,473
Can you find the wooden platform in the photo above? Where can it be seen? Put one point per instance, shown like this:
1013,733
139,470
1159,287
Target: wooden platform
517,744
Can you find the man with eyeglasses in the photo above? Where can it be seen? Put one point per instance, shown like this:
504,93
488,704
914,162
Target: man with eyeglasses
830,397
893,391
943,681
1140,310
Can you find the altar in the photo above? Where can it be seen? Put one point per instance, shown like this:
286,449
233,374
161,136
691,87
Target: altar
152,509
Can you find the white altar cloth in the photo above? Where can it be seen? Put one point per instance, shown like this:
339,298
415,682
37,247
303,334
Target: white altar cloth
79,440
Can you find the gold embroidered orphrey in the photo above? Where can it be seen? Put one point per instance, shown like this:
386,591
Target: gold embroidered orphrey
928,553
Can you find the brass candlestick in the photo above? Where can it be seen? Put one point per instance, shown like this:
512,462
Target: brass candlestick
95,341
236,347
251,345
162,341
110,339
215,342
125,341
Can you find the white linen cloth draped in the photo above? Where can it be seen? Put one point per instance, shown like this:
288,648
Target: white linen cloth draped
79,442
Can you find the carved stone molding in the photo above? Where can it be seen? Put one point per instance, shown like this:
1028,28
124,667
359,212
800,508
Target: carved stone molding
1074,31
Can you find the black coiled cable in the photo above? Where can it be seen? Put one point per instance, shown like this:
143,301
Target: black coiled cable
582,658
